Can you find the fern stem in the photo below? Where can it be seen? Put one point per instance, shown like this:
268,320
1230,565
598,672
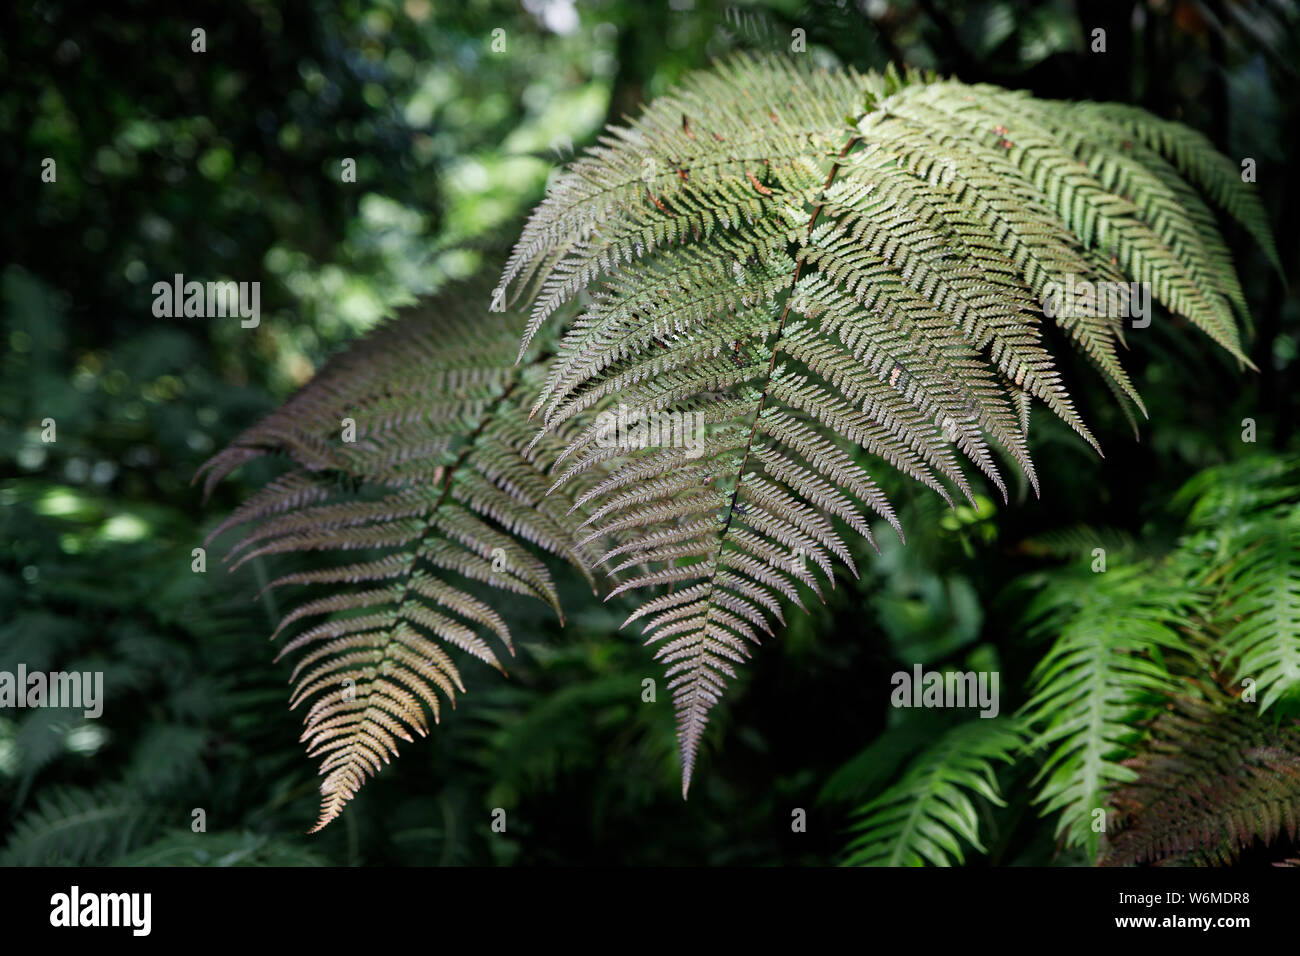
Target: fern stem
780,328
488,415
758,411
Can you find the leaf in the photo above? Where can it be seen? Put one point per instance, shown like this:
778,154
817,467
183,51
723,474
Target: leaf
1101,675
930,814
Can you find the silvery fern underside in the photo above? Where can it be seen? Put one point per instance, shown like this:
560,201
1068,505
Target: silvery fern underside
833,273
827,263
413,447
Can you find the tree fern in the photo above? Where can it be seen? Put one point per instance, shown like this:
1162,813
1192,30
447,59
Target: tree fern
817,265
928,815
814,261
440,490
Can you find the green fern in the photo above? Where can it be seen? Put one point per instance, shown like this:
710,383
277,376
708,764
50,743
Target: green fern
928,815
1079,541
815,261
1247,516
1103,672
80,827
1222,604
1134,768
1258,606
185,848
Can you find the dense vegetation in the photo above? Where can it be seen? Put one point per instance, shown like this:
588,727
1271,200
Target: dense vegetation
1179,661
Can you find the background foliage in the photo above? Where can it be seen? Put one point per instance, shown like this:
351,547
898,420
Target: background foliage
224,165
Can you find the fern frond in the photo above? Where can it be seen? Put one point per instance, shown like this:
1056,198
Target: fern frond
930,812
1196,158
437,492
1104,671
1229,590
1212,780
819,262
1257,608
1245,518
79,827
1253,488
1079,541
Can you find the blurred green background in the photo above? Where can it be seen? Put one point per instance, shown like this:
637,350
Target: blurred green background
225,165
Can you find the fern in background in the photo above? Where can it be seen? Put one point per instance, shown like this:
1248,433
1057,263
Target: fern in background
928,815
79,826
1130,639
1246,534
115,826
1215,777
1224,599
186,724
1102,673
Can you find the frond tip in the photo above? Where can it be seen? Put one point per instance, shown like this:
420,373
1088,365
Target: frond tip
814,265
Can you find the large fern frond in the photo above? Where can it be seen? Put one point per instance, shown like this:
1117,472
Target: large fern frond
412,451
818,262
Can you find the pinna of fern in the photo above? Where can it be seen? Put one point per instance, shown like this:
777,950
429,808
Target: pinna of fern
1103,673
929,814
412,449
821,264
